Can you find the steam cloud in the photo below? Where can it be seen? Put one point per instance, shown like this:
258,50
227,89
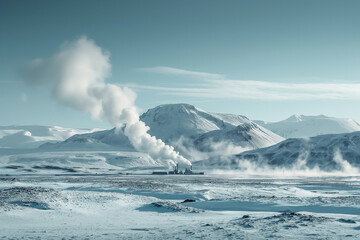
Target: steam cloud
298,168
78,72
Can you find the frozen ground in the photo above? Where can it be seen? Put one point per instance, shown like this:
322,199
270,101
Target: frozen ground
73,205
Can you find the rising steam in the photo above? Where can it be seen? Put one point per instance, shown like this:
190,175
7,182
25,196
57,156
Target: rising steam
299,168
78,72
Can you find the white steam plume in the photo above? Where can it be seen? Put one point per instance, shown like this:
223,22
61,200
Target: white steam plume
78,72
247,168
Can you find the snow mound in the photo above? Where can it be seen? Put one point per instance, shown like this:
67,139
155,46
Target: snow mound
298,126
284,220
25,197
167,206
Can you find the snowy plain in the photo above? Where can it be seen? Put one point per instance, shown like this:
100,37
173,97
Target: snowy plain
106,197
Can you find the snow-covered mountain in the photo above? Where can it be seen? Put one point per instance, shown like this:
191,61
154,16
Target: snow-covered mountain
34,136
189,129
245,136
99,140
185,126
340,152
298,126
169,122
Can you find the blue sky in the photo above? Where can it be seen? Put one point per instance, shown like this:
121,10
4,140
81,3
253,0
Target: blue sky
262,59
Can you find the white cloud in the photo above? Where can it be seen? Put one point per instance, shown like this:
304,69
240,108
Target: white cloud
218,86
178,71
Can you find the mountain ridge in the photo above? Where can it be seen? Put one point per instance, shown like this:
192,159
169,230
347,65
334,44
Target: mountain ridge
299,126
183,126
32,136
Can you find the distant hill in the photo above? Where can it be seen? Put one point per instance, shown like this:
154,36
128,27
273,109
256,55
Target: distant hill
298,126
32,136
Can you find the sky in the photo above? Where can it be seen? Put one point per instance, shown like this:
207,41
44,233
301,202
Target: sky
266,60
